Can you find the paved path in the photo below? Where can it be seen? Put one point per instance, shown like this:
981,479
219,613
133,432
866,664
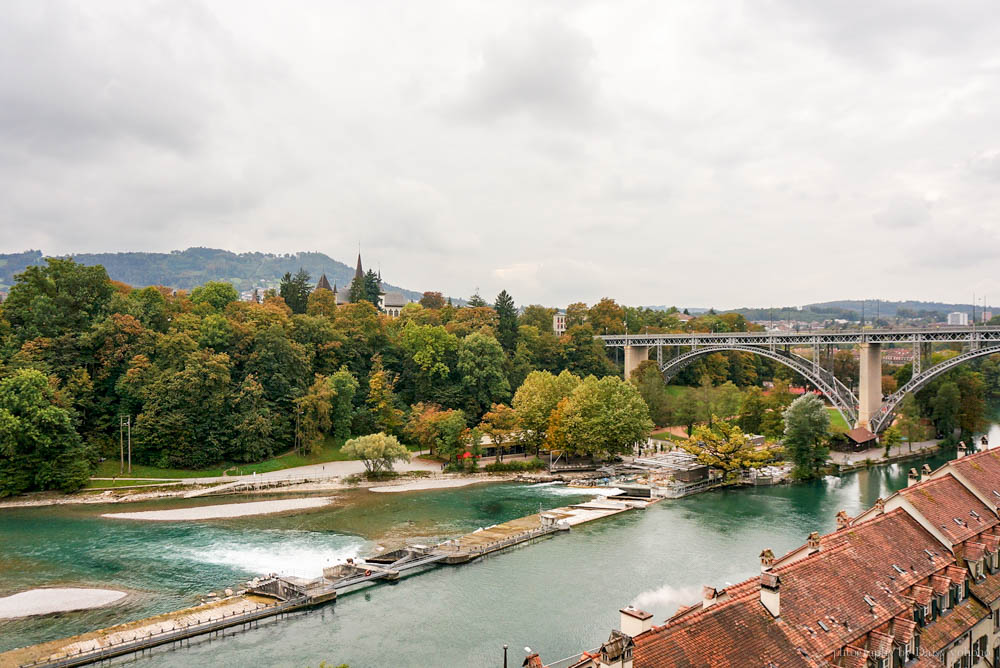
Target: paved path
327,470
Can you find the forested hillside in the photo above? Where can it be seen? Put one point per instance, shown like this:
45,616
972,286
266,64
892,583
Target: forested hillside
184,270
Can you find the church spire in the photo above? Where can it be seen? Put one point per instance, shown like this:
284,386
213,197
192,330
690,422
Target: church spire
359,272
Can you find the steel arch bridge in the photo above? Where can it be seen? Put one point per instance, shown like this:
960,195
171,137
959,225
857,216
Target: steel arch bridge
891,402
840,395
869,408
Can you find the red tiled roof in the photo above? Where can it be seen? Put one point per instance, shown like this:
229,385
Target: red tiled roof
955,574
736,633
946,503
922,595
879,644
945,629
988,588
940,584
982,469
990,541
974,551
860,435
903,629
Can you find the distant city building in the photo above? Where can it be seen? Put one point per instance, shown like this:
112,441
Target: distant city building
683,317
987,315
559,323
3,296
897,356
958,318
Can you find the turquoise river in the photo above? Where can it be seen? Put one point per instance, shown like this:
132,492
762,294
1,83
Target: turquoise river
557,596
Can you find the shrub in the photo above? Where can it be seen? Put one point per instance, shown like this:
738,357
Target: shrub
516,465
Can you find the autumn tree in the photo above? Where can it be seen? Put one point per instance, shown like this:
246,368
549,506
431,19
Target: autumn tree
432,300
56,299
500,424
606,316
481,364
538,316
606,416
725,447
378,452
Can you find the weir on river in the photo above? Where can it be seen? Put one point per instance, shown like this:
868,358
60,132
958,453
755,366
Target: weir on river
292,594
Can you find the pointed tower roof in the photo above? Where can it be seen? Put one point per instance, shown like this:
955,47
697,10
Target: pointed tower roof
323,284
359,272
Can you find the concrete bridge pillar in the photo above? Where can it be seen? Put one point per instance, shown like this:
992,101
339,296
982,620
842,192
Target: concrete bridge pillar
870,390
634,355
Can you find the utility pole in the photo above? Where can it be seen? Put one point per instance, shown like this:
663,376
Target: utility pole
125,424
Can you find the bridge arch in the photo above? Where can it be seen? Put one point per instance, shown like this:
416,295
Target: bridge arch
890,403
838,394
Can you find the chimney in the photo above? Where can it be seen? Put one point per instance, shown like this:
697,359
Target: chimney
880,505
926,469
532,661
769,584
961,450
843,520
813,542
912,478
634,622
766,560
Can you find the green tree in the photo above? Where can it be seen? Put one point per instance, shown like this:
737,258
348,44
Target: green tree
649,381
972,411
216,294
313,415
606,416
295,290
909,420
344,387
538,316
475,301
752,413
378,452
59,298
724,446
481,364
807,423
251,431
431,352
39,448
535,400
184,422
381,399
891,438
507,321
946,406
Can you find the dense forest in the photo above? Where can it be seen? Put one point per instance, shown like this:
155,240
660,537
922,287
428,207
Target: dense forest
187,269
210,379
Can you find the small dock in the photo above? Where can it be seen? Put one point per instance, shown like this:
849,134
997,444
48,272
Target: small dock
275,596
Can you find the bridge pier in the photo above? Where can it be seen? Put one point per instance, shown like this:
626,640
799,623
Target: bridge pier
870,385
634,355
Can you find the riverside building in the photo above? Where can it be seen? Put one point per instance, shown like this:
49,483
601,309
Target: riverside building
912,582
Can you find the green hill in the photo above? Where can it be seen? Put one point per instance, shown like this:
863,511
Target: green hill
189,268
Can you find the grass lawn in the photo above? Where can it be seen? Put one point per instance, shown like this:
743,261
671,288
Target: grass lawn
123,482
329,452
109,469
837,423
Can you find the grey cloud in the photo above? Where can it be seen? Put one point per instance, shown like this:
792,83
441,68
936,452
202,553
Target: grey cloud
545,71
903,212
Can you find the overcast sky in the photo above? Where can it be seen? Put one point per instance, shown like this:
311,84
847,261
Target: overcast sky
704,153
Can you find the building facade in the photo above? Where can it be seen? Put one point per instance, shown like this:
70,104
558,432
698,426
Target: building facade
958,318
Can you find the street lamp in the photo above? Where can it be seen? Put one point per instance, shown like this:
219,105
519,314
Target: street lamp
505,656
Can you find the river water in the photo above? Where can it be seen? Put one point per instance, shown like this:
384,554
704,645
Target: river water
557,596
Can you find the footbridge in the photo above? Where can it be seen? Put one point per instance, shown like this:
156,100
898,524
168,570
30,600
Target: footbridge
868,408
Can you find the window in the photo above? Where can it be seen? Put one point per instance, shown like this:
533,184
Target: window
979,649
